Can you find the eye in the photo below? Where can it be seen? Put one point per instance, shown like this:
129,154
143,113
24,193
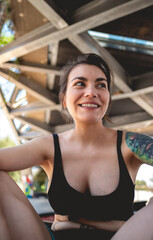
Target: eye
79,84
101,85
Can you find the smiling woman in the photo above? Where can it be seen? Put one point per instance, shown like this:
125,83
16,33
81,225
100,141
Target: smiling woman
91,168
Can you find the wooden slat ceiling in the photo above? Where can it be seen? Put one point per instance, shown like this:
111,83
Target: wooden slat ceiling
48,33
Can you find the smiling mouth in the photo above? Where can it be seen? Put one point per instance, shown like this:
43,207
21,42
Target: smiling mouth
89,105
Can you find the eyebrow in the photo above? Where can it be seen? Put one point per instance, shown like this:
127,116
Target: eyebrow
85,79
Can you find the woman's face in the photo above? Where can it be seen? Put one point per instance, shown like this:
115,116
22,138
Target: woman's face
87,96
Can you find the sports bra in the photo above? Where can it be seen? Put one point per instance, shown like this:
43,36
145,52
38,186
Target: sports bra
65,200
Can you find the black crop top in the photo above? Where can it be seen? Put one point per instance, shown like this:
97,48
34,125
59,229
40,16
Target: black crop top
65,200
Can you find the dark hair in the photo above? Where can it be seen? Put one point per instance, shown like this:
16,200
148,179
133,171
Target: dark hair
89,58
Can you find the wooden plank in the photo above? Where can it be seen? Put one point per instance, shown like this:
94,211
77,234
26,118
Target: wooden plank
136,125
32,87
35,124
32,67
76,28
93,8
30,135
52,57
49,13
6,112
42,30
14,95
123,122
132,93
63,128
34,107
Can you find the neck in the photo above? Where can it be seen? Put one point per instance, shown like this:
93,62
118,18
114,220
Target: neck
88,132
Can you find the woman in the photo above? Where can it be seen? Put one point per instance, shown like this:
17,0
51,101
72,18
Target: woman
91,169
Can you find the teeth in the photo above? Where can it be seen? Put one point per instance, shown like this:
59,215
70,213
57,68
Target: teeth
89,105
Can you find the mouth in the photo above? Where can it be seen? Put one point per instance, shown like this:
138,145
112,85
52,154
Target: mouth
89,105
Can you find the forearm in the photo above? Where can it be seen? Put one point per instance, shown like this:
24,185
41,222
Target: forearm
112,225
87,224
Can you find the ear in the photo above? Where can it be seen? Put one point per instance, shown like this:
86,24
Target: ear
64,102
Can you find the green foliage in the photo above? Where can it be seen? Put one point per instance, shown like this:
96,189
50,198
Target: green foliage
40,181
6,39
6,142
141,183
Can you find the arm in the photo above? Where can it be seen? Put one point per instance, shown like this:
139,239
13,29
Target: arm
33,153
63,223
141,146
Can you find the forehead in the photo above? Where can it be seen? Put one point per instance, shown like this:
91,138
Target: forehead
87,71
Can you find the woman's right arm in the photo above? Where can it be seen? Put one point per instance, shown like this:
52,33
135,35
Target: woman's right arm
32,153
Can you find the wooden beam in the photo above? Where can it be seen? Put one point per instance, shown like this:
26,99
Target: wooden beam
35,124
32,67
63,128
76,28
128,119
123,122
93,8
30,135
53,58
40,31
119,73
49,13
14,95
135,125
32,87
6,112
34,107
132,93
142,81
84,42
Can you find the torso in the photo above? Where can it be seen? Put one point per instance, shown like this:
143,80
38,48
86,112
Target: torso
86,169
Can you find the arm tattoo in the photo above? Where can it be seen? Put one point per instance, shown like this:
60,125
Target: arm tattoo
141,145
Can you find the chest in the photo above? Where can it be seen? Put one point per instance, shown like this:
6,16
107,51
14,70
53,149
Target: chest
94,171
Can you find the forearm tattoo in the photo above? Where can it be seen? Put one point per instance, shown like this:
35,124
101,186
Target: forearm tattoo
141,145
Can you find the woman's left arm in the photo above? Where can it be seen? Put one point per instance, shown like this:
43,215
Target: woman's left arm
141,145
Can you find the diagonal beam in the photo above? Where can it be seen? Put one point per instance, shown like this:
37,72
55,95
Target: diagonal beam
6,112
34,107
32,67
35,124
76,28
85,43
30,86
119,72
30,135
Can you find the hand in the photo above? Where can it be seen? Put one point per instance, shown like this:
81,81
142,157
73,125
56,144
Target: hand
61,225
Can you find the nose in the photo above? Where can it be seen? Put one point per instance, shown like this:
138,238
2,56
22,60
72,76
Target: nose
90,92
